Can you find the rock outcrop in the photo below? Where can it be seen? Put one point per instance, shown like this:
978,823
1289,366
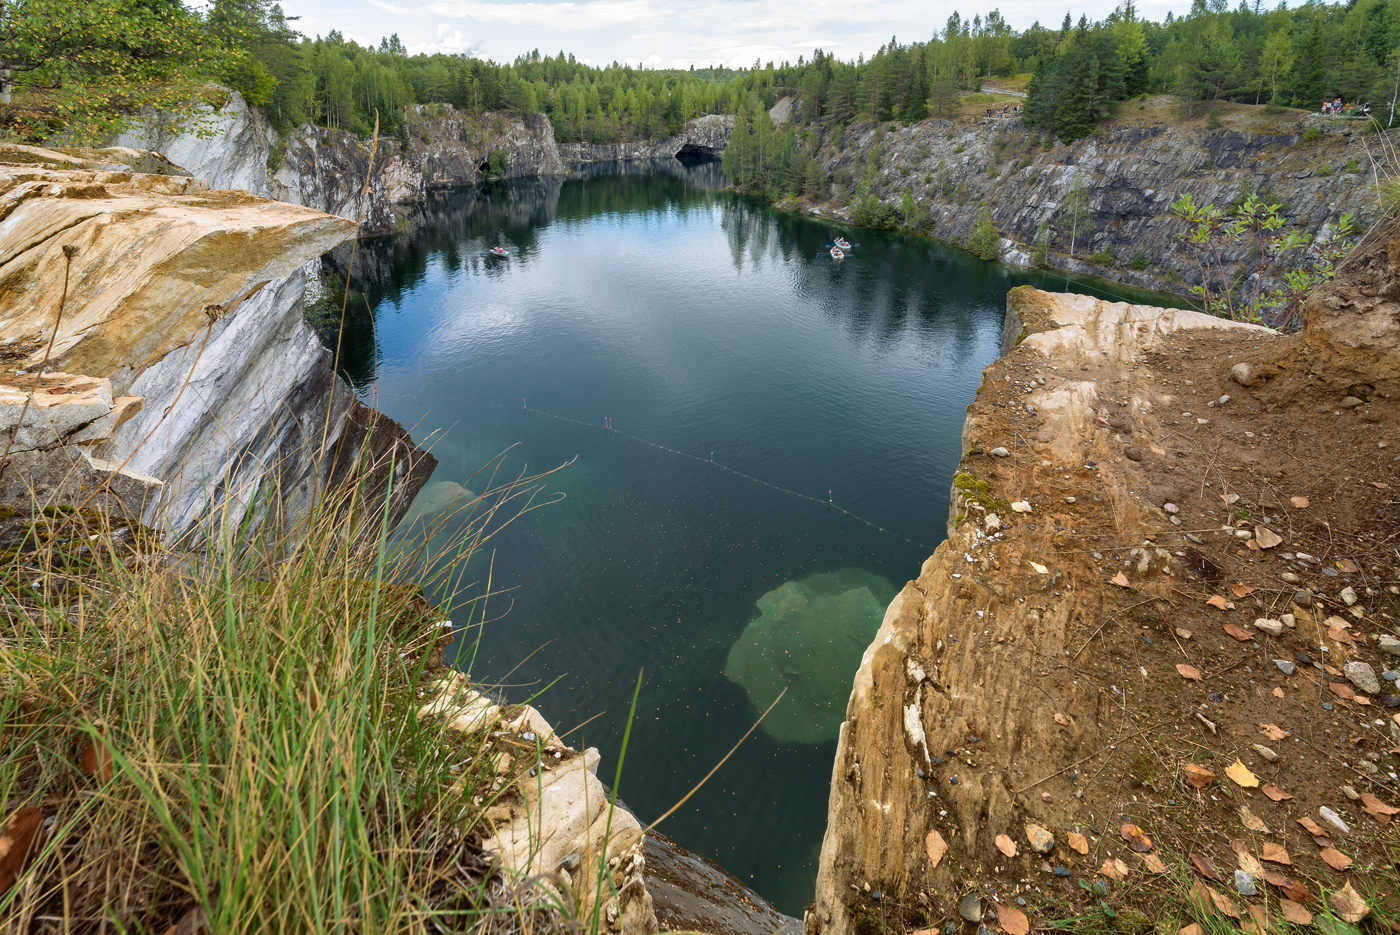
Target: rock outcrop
446,148
179,373
952,719
1133,175
703,136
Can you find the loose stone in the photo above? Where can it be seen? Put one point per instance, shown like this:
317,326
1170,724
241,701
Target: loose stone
1244,883
1042,841
999,453
970,908
1349,595
1303,657
1266,753
1351,402
1286,667
1271,627
1291,578
1171,508
1390,644
1302,598
1363,677
1334,819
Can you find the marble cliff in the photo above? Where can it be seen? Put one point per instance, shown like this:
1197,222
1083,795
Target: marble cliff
180,378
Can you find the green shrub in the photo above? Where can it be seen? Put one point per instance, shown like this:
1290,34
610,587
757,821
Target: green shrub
984,241
1324,169
958,148
1138,263
1353,166
1311,135
1102,257
1040,257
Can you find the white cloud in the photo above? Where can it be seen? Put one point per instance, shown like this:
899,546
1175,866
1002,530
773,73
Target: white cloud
662,34
595,14
447,40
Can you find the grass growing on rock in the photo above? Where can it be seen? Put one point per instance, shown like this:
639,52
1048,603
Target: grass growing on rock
227,739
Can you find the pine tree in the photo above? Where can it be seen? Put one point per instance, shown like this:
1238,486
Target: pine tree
984,241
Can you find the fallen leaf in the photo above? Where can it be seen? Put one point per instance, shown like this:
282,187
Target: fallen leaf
1251,545
1184,634
1376,807
1204,867
1338,622
1380,485
1114,869
1013,921
1272,731
1078,842
1061,720
1266,537
1349,904
1342,691
1278,692
1154,863
1230,498
1241,776
1274,853
1290,887
1006,845
1250,820
1239,633
1339,636
1192,929
1348,567
1216,600
96,759
1137,838
1241,590
1295,913
23,838
1249,863
1188,672
1197,775
1335,858
936,847
1120,579
1208,896
1039,568
1311,827
1258,921
1299,502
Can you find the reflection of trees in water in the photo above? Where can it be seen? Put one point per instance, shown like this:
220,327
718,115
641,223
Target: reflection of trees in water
893,285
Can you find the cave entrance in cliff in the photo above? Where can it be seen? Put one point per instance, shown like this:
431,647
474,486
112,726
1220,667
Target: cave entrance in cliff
693,151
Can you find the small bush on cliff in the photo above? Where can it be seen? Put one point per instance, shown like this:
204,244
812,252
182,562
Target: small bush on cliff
984,241
1138,263
1040,257
1255,229
1103,257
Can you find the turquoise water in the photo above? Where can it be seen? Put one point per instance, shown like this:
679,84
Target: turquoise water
692,321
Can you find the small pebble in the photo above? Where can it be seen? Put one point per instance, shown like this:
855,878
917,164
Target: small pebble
1217,697
1171,508
999,453
1330,572
1286,667
1327,706
1061,871
1303,657
1244,883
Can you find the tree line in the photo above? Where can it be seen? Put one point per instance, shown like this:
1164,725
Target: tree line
79,66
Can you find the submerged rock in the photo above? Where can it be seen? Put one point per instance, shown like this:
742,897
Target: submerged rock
808,639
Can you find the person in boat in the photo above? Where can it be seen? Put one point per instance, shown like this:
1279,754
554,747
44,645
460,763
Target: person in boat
842,243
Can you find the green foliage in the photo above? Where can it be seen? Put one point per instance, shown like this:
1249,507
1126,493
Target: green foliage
1311,135
1074,212
81,67
1255,229
984,241
1138,263
1040,256
1324,169
497,163
1103,257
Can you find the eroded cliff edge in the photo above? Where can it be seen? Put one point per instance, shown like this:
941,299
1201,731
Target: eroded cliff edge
1167,546
181,378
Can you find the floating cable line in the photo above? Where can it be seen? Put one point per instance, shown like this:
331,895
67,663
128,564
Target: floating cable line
608,426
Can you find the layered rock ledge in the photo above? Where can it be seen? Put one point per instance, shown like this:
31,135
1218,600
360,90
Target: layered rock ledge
179,375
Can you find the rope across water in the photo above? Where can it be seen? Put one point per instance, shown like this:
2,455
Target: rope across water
607,426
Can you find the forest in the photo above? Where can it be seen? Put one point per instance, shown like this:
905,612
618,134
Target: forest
80,66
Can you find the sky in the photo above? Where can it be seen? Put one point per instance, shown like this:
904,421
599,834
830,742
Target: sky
665,33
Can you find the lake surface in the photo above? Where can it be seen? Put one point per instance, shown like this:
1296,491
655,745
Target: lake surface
784,429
